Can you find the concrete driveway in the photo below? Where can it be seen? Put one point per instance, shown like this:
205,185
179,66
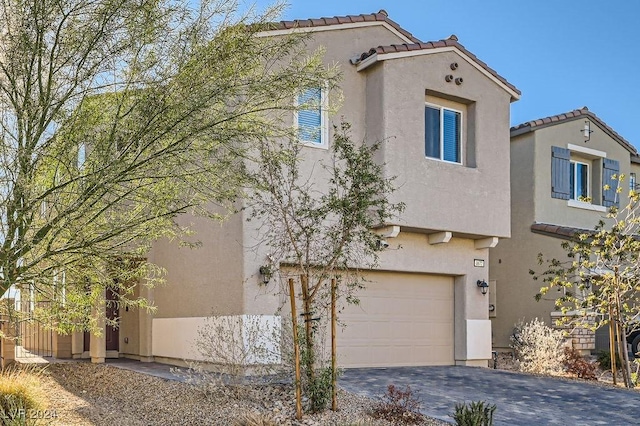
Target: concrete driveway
520,399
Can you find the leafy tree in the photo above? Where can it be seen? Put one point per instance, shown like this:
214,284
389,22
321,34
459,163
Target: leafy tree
601,278
318,220
115,118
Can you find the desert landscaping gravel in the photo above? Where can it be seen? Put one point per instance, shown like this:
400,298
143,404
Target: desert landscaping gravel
98,394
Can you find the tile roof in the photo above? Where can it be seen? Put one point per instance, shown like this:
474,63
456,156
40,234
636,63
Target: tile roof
381,16
452,41
569,116
558,231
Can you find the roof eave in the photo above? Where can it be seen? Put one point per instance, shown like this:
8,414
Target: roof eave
378,57
531,126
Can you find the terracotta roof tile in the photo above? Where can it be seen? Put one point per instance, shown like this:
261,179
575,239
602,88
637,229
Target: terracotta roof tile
382,16
572,115
557,231
451,41
348,19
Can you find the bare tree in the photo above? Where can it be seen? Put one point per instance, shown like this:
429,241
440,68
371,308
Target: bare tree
319,221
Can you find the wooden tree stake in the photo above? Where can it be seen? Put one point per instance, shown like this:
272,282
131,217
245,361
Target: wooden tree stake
296,350
334,384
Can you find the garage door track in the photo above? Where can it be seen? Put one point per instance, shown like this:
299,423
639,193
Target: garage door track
520,399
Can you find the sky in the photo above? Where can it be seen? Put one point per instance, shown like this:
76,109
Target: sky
562,55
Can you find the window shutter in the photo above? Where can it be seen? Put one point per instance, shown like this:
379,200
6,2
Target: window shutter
451,136
609,169
432,132
560,173
310,118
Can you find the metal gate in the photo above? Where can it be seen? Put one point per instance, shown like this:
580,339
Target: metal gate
34,339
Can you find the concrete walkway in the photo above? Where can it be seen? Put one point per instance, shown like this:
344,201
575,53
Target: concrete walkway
521,399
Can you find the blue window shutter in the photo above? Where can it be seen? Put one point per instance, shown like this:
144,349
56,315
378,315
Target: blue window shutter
432,132
310,117
560,173
451,136
609,169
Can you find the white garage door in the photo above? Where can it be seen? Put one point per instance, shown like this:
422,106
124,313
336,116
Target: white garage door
402,319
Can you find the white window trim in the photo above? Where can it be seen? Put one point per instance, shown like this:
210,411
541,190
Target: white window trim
584,150
586,206
324,121
441,108
572,164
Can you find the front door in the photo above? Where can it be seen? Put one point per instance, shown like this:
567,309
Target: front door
111,333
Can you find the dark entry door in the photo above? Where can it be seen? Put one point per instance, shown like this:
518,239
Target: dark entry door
112,334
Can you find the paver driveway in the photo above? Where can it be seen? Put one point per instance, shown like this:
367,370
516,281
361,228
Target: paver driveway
521,399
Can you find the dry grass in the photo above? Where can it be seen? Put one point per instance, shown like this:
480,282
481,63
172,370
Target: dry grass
20,392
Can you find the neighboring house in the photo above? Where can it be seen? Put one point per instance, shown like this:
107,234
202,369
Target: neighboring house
559,168
445,114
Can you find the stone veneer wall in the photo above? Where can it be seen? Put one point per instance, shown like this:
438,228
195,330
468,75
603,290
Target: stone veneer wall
581,339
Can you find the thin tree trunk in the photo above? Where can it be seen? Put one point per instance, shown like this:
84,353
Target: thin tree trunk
334,373
310,355
612,346
296,350
622,342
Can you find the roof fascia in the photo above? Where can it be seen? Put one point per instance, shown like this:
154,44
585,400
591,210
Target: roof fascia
397,55
334,27
589,115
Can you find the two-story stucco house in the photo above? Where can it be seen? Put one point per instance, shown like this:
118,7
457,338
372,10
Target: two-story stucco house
445,116
559,168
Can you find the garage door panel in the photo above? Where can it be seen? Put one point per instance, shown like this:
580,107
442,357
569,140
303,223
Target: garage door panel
402,320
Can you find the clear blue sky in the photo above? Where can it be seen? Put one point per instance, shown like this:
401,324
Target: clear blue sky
562,55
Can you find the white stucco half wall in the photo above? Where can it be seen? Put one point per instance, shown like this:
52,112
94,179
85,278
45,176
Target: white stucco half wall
248,339
478,339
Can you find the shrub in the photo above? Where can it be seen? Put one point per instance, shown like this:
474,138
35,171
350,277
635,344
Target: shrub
604,360
318,389
475,414
20,391
398,406
576,364
231,349
255,420
538,348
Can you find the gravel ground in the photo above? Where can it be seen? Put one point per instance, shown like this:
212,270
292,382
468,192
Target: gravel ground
605,378
90,394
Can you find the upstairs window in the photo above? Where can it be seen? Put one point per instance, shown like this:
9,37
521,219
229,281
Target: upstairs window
584,177
310,118
632,181
579,181
443,133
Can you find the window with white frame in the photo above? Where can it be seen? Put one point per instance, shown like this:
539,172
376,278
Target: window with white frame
311,117
443,133
579,181
632,181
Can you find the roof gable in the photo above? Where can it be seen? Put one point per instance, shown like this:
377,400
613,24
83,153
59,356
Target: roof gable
412,45
340,22
576,114
393,51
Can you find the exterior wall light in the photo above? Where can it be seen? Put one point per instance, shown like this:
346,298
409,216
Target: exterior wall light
266,273
586,131
483,286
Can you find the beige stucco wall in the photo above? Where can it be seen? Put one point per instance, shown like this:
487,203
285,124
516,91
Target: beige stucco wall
201,280
531,201
553,210
472,199
475,193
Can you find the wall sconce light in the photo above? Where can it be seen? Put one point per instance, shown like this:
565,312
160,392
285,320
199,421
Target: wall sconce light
586,131
483,286
266,273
